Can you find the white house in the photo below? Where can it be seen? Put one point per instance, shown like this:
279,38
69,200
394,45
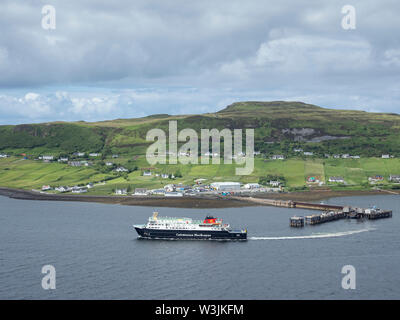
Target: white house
46,188
394,178
169,188
48,158
62,189
164,176
94,154
140,192
277,157
109,164
336,179
4,155
121,191
121,169
147,173
307,153
158,191
63,159
385,156
79,154
79,190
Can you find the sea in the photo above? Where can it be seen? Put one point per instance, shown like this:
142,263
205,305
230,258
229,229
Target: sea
94,253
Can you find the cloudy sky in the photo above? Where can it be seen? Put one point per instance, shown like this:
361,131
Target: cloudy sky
122,59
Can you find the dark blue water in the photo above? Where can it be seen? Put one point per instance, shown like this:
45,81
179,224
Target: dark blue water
97,256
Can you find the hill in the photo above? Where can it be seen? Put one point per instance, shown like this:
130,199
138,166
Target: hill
279,127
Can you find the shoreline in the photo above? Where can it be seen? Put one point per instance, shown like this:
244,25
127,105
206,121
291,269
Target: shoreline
203,202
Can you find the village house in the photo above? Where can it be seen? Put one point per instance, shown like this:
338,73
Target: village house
75,163
121,191
345,156
385,156
376,178
94,154
256,153
109,164
298,150
147,173
277,157
46,188
158,192
307,153
114,156
48,158
121,169
336,179
164,176
312,179
140,192
336,156
61,159
90,185
4,155
79,190
394,178
169,188
62,189
79,154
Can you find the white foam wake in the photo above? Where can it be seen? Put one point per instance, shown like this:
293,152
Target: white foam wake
314,236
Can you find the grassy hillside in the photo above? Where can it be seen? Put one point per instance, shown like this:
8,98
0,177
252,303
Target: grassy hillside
30,174
277,125
279,128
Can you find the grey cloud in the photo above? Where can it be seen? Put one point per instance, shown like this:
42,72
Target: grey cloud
256,48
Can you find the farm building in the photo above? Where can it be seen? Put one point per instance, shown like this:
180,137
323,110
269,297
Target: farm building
222,186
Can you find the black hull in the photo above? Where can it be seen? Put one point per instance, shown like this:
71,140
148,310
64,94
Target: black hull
190,234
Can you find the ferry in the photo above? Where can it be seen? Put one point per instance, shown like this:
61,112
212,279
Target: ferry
188,229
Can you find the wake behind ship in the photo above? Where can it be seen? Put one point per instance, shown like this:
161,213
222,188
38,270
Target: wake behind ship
188,229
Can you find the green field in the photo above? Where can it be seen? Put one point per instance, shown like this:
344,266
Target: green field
30,174
279,128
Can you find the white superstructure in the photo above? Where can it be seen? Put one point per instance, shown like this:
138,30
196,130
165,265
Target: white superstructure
169,223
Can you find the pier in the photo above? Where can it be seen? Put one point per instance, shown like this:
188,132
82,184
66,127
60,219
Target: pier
297,222
346,213
330,212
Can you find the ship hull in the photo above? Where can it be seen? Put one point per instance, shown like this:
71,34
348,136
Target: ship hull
146,233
